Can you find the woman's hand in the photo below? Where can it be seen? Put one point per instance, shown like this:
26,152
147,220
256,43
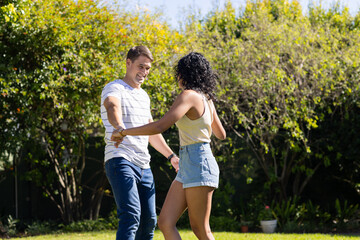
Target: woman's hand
175,162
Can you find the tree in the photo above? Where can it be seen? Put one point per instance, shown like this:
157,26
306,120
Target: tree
278,72
58,55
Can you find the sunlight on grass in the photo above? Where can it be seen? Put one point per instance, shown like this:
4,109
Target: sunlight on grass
188,235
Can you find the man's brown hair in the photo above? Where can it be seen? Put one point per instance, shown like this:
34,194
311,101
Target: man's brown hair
137,51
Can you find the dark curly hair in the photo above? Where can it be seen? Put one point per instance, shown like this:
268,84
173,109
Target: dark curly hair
196,74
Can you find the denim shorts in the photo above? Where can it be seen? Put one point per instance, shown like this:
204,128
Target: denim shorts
197,166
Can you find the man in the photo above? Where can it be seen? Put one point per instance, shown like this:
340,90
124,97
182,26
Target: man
125,104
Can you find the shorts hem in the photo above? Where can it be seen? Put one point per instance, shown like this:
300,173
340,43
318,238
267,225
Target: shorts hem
178,179
198,184
201,184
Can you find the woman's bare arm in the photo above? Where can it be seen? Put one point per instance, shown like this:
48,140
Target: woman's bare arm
183,103
217,126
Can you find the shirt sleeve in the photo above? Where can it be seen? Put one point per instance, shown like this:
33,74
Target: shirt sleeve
113,90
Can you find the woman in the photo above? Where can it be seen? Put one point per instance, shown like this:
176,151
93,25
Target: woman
194,114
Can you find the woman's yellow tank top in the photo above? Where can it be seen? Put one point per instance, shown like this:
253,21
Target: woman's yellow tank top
198,130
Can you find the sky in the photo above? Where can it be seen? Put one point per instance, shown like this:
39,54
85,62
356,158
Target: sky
173,9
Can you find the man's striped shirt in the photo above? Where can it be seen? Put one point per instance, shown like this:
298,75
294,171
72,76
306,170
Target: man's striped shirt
135,106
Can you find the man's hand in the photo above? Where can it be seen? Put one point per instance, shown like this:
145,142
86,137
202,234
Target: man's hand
117,137
175,162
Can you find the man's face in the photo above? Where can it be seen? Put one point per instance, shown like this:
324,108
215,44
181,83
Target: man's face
137,71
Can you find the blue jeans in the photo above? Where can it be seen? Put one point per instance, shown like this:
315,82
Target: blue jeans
134,193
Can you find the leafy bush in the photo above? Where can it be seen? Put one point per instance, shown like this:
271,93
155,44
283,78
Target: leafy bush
56,56
286,211
89,225
345,214
37,228
224,224
217,223
11,226
291,227
222,204
280,73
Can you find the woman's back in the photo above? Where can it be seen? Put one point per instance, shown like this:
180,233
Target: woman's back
195,125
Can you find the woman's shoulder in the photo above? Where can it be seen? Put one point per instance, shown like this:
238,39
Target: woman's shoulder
191,93
190,97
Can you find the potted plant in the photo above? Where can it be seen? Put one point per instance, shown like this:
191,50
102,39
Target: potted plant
244,220
268,221
244,226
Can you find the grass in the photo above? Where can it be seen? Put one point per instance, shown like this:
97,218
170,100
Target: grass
188,235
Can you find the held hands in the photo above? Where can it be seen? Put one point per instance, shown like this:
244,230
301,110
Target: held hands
117,136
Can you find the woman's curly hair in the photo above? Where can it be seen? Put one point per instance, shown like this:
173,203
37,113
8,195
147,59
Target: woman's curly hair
196,74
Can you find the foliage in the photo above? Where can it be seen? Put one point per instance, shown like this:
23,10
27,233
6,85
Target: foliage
286,211
345,213
224,224
89,225
314,218
38,228
48,66
280,72
286,82
294,215
56,58
266,214
222,197
307,217
11,226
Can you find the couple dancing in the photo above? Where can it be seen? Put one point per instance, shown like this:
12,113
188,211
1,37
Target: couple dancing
126,115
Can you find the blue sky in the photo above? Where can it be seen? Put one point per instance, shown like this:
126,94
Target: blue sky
173,9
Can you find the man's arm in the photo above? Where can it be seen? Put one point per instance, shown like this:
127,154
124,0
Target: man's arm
157,141
114,113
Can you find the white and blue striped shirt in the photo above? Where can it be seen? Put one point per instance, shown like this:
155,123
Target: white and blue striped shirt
135,106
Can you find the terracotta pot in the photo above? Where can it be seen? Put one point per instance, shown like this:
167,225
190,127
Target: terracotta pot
244,229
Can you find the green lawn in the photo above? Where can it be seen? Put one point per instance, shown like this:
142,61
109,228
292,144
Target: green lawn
188,235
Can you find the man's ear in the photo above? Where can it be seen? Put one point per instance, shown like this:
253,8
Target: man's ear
128,62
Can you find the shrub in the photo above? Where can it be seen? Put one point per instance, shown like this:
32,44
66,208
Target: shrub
286,212
11,226
224,224
345,214
37,228
89,225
